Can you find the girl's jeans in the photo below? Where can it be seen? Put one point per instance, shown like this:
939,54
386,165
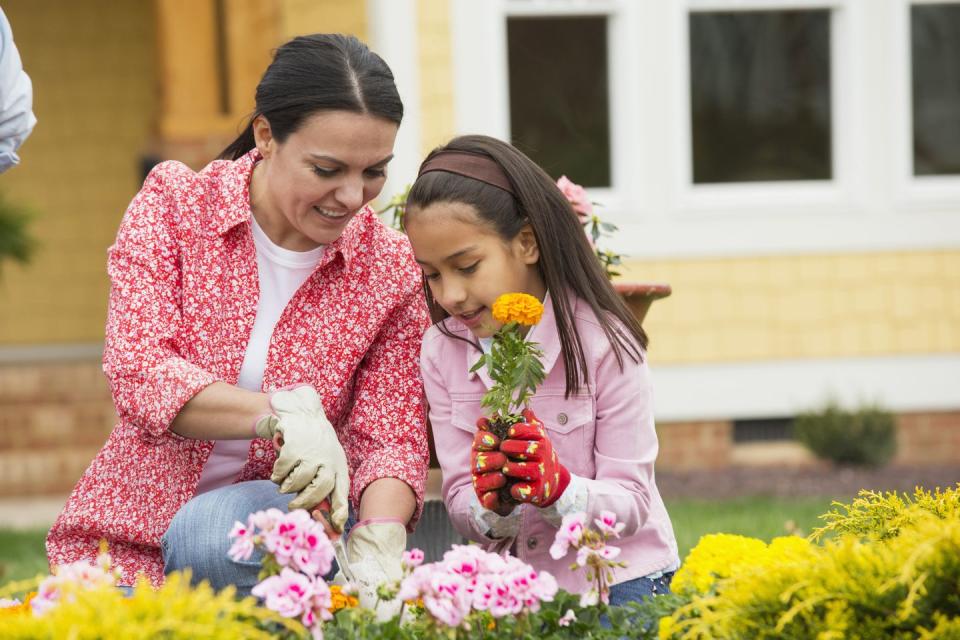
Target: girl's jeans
639,588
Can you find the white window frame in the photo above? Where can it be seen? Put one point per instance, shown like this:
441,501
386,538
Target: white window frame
772,197
916,193
482,93
660,212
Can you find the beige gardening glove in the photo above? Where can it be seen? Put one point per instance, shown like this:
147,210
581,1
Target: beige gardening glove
311,461
374,550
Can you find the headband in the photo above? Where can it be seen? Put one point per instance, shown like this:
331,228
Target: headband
469,165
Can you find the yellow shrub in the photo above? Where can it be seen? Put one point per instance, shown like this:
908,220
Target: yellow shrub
898,586
176,610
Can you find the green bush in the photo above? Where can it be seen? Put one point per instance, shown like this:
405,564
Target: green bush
864,437
16,243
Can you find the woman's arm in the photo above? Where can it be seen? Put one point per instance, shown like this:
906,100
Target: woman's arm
386,436
149,379
221,411
388,498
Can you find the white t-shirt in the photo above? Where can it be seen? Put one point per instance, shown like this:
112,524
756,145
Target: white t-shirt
281,273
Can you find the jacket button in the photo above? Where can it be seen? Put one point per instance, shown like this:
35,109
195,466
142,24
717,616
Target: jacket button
562,418
258,453
531,543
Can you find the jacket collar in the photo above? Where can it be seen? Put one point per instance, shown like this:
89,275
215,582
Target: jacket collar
544,333
233,187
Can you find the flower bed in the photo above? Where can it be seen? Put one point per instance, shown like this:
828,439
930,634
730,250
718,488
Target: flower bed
884,566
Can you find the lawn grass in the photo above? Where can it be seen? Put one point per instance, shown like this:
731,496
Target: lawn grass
22,553
758,517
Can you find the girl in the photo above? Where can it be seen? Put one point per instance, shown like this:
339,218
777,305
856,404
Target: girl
485,220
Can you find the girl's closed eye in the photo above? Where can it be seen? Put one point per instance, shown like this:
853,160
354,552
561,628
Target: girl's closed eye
470,269
431,276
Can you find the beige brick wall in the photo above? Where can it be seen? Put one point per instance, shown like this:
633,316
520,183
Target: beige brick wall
436,73
701,446
931,438
54,417
928,438
783,307
93,69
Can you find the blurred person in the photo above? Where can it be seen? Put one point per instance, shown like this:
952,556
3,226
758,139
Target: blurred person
16,98
263,330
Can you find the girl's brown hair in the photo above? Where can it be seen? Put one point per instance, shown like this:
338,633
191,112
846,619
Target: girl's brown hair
567,261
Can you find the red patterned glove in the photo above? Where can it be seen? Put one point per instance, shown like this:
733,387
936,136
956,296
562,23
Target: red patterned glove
531,458
486,465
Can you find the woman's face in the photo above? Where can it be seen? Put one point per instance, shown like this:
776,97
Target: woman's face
307,188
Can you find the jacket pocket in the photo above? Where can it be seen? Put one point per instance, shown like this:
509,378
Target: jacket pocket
464,413
569,422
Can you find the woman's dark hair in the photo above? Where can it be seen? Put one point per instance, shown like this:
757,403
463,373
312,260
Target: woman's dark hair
320,72
567,261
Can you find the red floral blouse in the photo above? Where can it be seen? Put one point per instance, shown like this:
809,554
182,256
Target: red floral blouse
182,305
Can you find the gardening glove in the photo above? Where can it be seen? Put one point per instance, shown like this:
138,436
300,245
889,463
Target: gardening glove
486,468
374,550
531,458
311,461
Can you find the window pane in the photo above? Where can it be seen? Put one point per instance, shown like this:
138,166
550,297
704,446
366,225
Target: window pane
760,95
559,113
935,35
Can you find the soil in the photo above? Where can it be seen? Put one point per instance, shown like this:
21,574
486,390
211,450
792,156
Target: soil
836,482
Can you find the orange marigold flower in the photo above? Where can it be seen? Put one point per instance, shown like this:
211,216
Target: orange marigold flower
340,600
18,608
521,308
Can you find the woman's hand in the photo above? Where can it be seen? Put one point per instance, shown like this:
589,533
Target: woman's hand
321,513
486,468
531,458
311,460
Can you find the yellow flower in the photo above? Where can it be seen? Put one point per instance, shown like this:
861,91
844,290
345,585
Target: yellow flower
517,307
340,600
666,628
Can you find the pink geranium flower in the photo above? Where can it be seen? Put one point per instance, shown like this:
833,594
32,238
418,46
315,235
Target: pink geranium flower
577,197
569,533
470,579
607,524
290,594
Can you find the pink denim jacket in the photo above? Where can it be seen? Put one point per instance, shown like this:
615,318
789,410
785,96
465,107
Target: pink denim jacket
604,436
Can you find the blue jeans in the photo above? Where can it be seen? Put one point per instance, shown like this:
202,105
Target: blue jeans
197,536
639,588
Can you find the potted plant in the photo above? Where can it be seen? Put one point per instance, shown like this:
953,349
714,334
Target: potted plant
638,295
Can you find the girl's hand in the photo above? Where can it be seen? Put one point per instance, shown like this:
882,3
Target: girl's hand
531,458
486,464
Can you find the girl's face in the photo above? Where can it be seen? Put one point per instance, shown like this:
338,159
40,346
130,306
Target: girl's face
306,189
468,265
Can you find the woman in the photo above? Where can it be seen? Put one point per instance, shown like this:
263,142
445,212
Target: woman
266,269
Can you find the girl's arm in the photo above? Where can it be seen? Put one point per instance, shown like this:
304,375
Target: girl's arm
625,449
